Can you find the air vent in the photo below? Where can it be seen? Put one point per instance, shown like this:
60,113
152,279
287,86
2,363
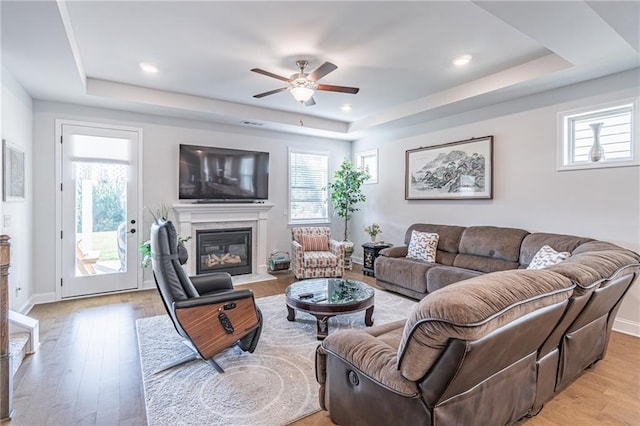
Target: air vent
251,123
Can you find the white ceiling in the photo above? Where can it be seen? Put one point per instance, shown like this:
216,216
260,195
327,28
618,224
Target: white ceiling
398,53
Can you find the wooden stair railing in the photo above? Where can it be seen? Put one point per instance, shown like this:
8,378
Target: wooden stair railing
6,379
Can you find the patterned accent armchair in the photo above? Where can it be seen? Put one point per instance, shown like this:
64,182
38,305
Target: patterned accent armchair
315,254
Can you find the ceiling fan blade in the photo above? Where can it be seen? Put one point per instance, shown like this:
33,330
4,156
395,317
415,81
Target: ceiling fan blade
270,74
271,92
321,71
310,102
343,89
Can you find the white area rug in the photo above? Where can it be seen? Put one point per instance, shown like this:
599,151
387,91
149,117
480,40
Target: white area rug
273,386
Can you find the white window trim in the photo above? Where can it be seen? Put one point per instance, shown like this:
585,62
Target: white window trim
360,156
563,145
302,222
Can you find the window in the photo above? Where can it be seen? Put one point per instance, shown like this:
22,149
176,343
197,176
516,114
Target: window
308,178
368,161
618,136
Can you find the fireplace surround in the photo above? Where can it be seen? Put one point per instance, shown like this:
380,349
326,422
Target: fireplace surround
191,218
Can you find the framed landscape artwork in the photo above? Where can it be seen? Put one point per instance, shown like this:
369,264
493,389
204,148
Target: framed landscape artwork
457,170
13,172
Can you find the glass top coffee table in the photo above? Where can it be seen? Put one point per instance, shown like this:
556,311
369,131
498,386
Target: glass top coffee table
328,297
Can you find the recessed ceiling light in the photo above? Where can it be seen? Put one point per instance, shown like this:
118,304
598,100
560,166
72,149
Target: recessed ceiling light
346,107
147,67
461,60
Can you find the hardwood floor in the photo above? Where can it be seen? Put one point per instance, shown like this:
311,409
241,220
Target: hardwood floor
87,370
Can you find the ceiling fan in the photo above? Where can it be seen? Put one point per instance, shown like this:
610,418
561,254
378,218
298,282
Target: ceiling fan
302,85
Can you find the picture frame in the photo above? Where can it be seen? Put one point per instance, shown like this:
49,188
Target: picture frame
13,172
456,170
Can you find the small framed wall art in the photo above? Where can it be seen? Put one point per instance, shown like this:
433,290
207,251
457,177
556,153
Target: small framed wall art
13,172
456,170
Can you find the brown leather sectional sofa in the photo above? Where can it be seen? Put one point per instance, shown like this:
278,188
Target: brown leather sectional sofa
489,349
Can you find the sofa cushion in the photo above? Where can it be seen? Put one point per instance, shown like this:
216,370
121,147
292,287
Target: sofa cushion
559,242
441,276
374,352
422,246
471,309
297,233
314,242
489,248
404,272
319,259
448,239
546,257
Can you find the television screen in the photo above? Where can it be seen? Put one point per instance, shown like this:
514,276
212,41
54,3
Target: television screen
222,174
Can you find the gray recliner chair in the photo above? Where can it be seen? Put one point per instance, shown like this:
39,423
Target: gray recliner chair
206,310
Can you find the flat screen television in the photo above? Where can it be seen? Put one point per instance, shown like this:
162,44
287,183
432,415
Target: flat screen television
214,174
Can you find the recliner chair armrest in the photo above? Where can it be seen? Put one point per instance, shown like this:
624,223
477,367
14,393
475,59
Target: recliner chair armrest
209,283
369,355
224,296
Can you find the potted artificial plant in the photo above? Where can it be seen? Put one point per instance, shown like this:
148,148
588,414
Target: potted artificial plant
345,193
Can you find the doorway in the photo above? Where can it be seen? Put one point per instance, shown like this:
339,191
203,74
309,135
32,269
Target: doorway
99,209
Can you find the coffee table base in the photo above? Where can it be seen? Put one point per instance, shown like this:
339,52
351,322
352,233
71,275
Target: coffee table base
322,320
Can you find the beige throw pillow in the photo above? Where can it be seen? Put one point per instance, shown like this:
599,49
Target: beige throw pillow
547,256
422,246
315,243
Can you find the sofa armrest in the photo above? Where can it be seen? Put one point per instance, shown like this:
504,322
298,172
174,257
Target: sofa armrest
397,251
371,356
336,248
297,252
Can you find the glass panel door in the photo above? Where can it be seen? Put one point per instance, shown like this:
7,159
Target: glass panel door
99,210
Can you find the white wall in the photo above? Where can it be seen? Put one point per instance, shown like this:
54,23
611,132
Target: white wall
16,216
528,191
162,135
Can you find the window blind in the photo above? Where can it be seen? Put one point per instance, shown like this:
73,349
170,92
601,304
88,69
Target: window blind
308,177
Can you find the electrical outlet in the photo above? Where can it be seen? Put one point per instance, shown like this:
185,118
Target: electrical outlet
6,221
285,212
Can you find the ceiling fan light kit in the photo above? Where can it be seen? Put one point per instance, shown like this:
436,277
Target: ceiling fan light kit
303,85
301,94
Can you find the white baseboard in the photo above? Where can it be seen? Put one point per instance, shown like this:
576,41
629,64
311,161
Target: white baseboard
626,327
148,285
40,298
26,306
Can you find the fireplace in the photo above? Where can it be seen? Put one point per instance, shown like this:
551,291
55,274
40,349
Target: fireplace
192,218
223,250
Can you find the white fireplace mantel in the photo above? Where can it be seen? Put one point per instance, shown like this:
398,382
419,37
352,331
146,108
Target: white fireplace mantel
193,217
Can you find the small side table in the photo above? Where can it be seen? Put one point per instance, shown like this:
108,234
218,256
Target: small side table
371,251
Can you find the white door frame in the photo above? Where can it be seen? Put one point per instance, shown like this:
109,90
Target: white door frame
58,182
